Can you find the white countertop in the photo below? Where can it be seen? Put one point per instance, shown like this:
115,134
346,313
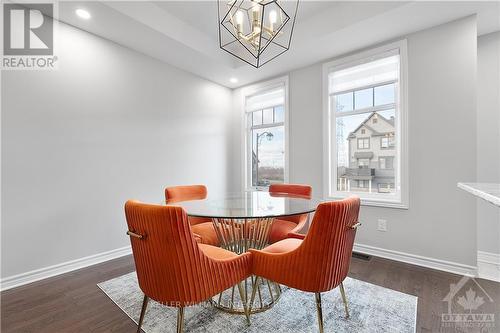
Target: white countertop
487,191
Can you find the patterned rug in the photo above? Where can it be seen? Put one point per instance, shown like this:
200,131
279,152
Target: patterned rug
372,309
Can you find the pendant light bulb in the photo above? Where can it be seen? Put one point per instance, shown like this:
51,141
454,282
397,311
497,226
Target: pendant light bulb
239,17
273,17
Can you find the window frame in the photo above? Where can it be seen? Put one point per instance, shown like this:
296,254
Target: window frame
401,200
249,91
385,158
382,142
368,160
364,140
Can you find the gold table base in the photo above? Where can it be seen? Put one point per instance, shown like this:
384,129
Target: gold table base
239,235
268,293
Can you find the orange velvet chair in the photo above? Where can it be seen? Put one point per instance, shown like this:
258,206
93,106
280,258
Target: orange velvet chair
286,224
316,262
172,268
202,227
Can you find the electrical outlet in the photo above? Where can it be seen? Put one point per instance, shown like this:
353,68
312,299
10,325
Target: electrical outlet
382,225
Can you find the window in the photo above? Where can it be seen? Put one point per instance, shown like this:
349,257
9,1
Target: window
384,142
386,162
364,143
387,141
385,188
362,183
365,113
363,162
267,141
265,115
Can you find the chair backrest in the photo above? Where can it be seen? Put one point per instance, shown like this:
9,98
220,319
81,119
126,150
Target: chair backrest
294,189
170,267
185,193
327,247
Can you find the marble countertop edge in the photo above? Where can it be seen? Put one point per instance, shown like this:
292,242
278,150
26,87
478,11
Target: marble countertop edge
487,191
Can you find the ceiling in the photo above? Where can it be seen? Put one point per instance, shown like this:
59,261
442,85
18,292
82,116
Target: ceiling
184,33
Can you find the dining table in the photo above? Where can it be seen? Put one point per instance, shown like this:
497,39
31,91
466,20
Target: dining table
243,220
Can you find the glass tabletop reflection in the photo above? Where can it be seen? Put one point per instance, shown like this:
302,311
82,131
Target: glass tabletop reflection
249,204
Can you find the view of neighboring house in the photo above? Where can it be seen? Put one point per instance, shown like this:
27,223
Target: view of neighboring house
372,152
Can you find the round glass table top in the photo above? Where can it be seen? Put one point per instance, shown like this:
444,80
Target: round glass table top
250,204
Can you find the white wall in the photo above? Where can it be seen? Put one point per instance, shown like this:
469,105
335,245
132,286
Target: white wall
109,125
488,138
440,223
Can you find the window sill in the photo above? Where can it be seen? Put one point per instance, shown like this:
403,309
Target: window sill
396,204
257,188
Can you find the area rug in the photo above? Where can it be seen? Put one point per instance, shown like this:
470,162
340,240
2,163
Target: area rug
372,309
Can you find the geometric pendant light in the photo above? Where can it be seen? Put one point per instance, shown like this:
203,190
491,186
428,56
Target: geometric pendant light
256,31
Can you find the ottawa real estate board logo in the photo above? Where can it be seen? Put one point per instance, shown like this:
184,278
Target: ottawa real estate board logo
469,308
28,36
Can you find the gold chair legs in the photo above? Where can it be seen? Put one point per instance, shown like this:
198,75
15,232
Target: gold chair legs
320,312
318,303
180,319
143,312
180,316
344,299
180,311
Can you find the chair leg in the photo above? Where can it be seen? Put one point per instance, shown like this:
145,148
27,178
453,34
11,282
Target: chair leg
143,312
254,290
243,297
180,319
344,298
320,312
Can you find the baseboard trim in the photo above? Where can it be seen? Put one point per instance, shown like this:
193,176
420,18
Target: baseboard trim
488,265
438,264
65,267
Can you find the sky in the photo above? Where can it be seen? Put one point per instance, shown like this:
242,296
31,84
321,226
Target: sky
271,153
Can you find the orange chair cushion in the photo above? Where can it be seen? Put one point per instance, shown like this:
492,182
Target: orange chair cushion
215,252
286,245
292,189
185,193
193,220
207,233
280,230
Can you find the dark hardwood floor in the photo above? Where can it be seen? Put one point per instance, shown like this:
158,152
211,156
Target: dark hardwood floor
73,303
